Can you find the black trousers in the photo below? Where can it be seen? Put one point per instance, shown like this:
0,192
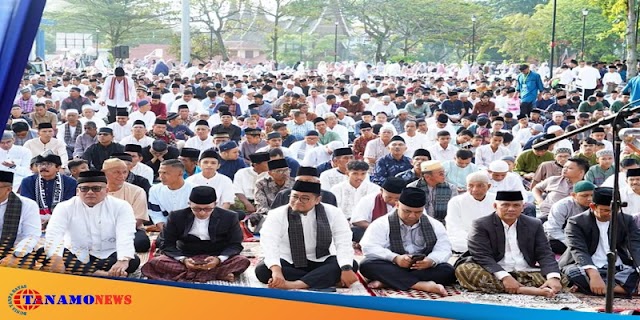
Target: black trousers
557,246
403,279
357,232
317,275
588,93
75,266
141,241
525,108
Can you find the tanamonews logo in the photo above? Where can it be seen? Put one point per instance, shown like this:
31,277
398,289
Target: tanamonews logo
22,299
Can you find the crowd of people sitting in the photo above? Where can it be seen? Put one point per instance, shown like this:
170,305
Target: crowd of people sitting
436,178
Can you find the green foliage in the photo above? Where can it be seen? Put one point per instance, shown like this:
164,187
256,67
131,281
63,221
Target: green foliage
119,21
508,7
528,37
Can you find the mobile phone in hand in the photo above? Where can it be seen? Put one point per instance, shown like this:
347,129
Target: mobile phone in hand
417,257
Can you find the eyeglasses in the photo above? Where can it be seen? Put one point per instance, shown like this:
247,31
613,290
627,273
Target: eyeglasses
45,164
204,209
302,199
280,171
95,189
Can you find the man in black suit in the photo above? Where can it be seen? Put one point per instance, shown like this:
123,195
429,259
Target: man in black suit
585,261
201,243
505,249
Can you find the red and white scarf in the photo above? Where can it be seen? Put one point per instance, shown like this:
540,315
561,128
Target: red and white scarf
112,92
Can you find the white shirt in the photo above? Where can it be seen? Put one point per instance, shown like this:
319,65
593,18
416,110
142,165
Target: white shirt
460,217
195,106
439,153
485,155
331,177
418,141
589,77
348,122
196,143
513,259
148,117
363,211
119,132
522,136
316,156
432,133
29,227
322,108
99,122
221,183
275,244
21,157
167,200
599,258
347,196
56,146
300,149
245,181
99,231
119,96
566,77
389,109
130,139
200,229
144,171
612,77
632,199
342,131
376,244
510,182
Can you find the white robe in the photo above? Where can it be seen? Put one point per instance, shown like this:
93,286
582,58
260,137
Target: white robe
99,231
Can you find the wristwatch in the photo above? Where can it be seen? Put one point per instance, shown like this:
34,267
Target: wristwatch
346,268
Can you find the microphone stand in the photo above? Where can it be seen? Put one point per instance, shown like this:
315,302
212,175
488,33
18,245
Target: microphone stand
618,123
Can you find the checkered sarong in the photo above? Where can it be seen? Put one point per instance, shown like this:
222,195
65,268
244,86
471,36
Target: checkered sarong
167,268
474,277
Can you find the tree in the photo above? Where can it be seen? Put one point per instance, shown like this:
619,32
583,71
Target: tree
527,37
624,16
116,20
277,10
504,8
218,16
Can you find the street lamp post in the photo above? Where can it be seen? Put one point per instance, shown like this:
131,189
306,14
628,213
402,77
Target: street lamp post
97,43
335,44
553,38
585,12
473,40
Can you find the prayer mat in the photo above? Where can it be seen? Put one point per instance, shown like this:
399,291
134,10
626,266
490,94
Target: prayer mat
415,294
619,304
558,302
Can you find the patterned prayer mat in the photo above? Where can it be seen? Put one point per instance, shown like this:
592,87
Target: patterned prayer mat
619,304
415,294
558,302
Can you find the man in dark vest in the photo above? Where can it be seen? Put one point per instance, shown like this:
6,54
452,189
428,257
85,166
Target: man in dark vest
407,249
19,223
306,244
438,191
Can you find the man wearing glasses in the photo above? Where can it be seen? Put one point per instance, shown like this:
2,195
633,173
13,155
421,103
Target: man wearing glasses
201,243
437,189
306,244
267,187
99,231
48,187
